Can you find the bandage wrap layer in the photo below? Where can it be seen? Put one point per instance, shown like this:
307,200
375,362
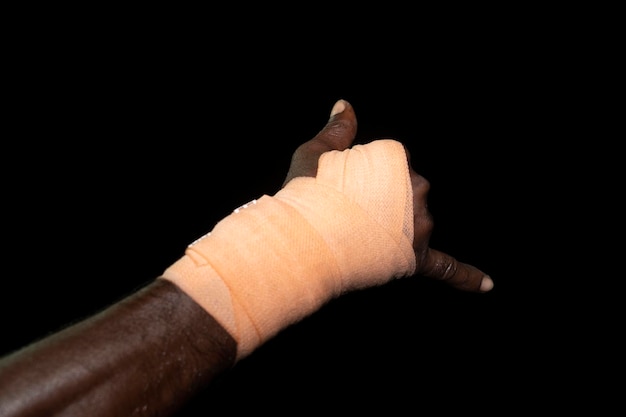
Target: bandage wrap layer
278,259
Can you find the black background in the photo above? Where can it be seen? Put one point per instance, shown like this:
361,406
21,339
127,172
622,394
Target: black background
129,139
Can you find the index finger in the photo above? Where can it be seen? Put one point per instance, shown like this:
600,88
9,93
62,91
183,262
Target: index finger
446,268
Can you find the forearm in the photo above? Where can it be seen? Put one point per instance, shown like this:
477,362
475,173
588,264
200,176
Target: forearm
146,355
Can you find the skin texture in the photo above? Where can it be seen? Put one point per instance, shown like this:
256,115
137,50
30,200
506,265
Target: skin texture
146,355
149,353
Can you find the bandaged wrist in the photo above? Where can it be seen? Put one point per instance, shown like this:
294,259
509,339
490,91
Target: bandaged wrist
279,258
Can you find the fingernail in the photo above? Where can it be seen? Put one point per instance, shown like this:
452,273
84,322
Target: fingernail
339,106
486,284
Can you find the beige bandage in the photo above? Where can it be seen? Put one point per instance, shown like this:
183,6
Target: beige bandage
277,259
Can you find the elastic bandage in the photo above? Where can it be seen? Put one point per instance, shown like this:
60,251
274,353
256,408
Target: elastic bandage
279,258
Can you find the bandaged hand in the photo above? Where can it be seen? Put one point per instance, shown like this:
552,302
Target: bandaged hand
347,217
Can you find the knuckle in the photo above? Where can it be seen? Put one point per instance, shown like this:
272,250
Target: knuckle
422,182
447,269
338,128
443,268
419,181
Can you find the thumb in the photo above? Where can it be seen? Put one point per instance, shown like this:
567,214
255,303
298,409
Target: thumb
338,134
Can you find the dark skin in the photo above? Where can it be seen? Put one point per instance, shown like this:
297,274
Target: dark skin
151,352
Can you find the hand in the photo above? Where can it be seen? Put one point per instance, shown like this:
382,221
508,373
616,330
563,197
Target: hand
339,134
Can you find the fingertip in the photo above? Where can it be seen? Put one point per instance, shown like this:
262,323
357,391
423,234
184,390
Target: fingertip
339,107
342,109
340,130
486,284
